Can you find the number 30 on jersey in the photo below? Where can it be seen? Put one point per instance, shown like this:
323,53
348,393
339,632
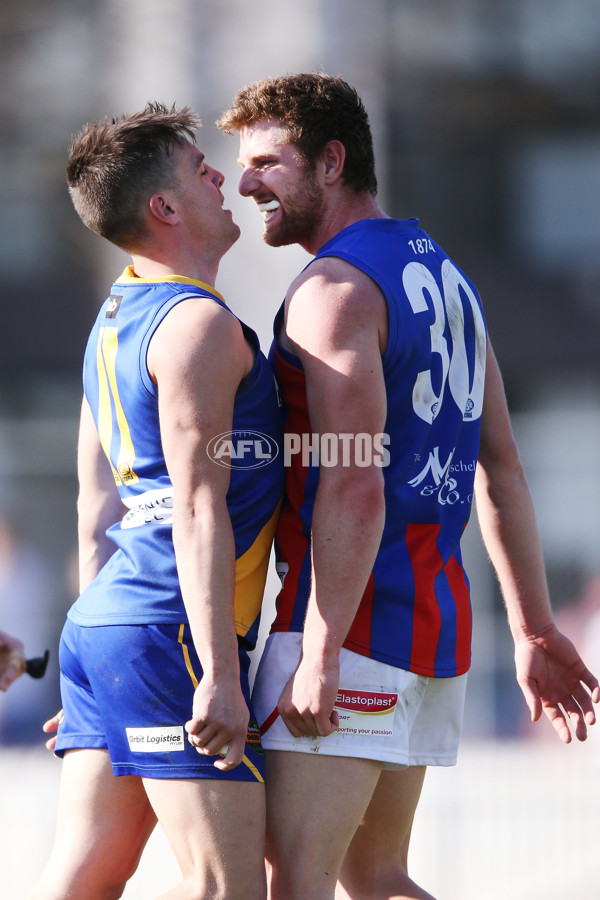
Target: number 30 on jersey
465,380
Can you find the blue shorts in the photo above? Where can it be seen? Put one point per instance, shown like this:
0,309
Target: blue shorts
129,689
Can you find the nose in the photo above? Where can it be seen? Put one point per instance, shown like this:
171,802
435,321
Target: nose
217,177
248,183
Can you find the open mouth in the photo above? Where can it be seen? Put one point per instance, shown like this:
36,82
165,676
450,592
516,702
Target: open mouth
268,209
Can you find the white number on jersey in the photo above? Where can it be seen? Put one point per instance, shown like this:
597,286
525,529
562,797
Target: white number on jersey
466,391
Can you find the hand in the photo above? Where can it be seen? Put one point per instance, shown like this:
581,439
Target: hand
12,660
555,681
219,722
306,702
50,727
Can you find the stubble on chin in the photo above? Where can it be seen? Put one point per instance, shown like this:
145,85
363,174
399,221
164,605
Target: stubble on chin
294,233
297,221
274,240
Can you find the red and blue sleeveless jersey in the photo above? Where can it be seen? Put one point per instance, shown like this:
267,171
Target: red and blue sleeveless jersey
415,613
139,583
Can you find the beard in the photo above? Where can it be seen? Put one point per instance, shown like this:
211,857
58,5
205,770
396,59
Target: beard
298,214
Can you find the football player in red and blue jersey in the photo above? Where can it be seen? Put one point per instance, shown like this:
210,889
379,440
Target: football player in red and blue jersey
395,418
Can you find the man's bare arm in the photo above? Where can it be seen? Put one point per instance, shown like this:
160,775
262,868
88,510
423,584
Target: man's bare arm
550,672
337,325
98,505
198,357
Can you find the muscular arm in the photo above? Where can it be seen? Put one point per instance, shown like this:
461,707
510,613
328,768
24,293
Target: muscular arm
198,357
98,505
337,325
550,672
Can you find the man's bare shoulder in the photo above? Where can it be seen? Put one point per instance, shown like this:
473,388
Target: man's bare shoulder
333,273
332,295
196,330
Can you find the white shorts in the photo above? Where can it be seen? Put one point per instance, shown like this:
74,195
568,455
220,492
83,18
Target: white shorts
385,713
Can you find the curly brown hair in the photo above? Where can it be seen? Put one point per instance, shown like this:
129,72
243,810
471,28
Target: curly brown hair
314,108
115,165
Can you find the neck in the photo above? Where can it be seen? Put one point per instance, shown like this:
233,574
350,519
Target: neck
348,209
159,263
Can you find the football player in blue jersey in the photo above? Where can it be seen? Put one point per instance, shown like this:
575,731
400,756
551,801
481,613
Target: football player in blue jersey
173,546
381,338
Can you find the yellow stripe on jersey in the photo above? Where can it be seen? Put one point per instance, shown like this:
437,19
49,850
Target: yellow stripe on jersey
188,664
108,346
104,408
250,576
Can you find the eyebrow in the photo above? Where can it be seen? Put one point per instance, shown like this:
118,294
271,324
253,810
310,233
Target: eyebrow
257,160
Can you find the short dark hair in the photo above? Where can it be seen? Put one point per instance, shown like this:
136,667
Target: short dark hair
115,166
314,108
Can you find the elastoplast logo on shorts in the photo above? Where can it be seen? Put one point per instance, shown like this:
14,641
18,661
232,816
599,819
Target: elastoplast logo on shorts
366,714
365,701
160,739
242,449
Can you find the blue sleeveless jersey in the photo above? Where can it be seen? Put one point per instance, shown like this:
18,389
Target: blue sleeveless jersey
415,613
139,583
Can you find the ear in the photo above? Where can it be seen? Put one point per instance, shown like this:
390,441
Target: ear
333,160
162,208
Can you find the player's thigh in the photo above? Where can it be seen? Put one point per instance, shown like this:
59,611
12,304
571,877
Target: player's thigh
217,831
103,823
381,842
314,805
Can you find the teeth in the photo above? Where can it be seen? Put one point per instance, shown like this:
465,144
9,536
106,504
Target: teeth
269,207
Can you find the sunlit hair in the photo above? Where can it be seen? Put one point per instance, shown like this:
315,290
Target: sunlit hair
314,109
117,164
